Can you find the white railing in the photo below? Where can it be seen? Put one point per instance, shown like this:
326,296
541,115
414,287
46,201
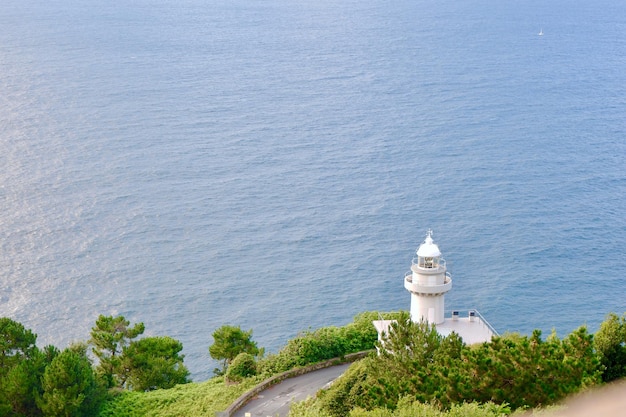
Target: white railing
409,277
427,289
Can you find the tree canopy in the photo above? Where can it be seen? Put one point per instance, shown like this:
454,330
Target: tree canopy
416,362
16,343
109,337
21,366
230,341
610,342
69,386
155,362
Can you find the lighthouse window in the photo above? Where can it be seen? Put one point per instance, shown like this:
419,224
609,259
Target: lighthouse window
428,262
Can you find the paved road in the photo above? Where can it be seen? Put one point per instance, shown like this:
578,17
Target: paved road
275,401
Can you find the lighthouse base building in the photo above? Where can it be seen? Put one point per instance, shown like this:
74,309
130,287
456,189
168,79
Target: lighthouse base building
428,281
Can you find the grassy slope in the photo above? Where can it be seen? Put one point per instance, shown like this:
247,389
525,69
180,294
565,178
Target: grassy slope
195,399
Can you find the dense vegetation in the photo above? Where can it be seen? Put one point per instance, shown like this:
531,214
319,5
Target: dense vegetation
417,363
418,373
49,382
325,343
196,399
408,407
119,373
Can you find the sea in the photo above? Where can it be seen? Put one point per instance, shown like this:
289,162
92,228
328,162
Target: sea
275,164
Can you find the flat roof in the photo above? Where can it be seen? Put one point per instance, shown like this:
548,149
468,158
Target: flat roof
476,331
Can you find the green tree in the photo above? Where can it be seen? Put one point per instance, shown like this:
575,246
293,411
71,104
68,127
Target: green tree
16,344
109,337
414,359
610,344
230,341
416,362
69,386
17,351
154,363
527,371
23,383
582,366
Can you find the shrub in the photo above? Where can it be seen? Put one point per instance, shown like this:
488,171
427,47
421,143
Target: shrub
242,366
325,343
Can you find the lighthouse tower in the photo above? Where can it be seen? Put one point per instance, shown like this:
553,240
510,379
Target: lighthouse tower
428,282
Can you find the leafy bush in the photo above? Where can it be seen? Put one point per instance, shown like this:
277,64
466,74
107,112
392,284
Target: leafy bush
347,391
325,343
243,366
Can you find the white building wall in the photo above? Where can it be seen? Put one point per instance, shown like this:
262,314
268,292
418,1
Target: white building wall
428,308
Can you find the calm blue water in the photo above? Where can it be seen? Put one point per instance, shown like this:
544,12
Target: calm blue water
275,164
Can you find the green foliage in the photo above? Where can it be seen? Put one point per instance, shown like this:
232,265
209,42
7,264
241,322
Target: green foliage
69,387
23,384
347,392
418,353
310,347
230,341
16,343
581,364
21,367
142,365
406,407
610,344
528,371
109,337
418,373
243,366
419,359
196,399
417,363
153,363
413,360
325,343
307,408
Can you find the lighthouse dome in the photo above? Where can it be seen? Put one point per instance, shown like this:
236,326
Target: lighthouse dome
428,249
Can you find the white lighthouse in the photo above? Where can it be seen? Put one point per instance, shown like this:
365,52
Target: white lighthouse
428,282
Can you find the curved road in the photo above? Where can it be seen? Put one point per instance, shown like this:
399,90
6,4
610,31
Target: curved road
276,400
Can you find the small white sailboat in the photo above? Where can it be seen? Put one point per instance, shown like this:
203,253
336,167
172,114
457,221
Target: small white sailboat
541,32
